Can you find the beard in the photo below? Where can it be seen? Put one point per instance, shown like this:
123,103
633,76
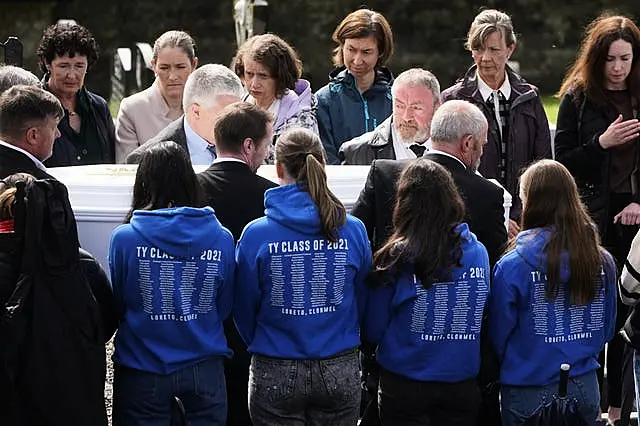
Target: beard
411,134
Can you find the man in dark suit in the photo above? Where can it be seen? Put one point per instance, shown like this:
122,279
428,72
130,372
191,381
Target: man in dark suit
458,133
29,119
460,154
208,90
243,134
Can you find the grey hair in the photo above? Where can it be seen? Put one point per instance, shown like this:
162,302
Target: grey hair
208,82
455,119
418,77
12,76
174,38
487,22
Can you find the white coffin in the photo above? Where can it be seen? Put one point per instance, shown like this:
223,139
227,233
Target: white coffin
100,196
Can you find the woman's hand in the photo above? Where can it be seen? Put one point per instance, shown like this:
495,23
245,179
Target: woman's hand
630,215
619,132
514,229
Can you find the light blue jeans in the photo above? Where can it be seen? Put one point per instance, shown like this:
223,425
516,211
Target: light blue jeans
519,402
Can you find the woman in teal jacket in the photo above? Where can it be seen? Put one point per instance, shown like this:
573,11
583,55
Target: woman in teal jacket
358,96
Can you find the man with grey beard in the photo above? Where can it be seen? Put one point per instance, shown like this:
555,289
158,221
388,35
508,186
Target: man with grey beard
405,135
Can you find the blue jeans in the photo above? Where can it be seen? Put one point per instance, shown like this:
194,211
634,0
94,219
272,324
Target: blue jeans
147,399
305,392
636,376
519,402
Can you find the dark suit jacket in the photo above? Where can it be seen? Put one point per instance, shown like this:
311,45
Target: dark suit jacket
173,132
237,196
12,161
483,202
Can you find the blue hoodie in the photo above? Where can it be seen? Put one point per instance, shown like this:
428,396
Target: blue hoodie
344,113
434,334
172,273
299,296
533,337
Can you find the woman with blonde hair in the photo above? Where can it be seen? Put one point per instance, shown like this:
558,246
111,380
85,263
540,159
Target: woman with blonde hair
518,127
299,293
553,299
143,115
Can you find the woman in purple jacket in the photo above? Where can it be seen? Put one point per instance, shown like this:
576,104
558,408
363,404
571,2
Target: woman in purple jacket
270,71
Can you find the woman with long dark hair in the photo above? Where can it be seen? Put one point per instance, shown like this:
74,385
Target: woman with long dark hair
431,282
597,139
172,267
553,299
299,290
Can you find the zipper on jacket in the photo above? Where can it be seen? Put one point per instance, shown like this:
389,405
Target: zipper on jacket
365,106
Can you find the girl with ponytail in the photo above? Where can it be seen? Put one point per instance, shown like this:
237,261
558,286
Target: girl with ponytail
299,294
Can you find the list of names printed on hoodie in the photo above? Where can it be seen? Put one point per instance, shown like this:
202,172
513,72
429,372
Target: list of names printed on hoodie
307,276
449,310
168,286
550,319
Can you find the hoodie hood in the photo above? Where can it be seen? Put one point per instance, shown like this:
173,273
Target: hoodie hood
531,247
341,76
293,208
182,232
295,101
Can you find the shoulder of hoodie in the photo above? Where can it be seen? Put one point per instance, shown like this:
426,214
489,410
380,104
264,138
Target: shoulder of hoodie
355,227
609,265
123,233
474,250
511,263
254,230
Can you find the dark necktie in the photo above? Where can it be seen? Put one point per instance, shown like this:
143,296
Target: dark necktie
212,150
418,150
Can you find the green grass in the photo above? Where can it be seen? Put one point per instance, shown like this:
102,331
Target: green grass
551,108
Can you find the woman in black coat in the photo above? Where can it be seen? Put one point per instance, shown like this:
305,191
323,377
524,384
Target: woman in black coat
66,53
598,140
56,311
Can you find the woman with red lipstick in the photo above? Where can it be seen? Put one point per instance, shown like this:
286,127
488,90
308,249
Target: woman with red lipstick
67,52
597,139
142,115
518,126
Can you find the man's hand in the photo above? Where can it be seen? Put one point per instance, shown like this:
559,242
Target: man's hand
630,215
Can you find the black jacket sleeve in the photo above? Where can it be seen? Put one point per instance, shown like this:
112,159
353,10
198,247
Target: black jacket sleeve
365,206
489,224
579,151
101,289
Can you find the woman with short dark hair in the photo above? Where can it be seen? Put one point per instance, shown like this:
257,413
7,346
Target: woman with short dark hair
358,96
271,72
66,53
172,267
424,313
553,299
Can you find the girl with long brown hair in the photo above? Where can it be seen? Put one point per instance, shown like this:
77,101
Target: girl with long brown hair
299,290
597,139
425,311
553,298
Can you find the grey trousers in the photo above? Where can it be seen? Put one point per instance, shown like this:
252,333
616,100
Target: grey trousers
305,392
